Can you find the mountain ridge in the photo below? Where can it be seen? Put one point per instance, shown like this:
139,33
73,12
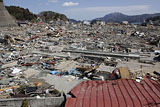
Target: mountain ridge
119,17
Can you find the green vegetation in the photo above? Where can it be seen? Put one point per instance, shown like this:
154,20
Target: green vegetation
21,13
24,14
52,16
25,103
22,87
156,18
56,91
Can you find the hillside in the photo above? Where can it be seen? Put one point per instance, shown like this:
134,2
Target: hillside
21,13
153,20
24,14
119,17
72,20
156,18
52,16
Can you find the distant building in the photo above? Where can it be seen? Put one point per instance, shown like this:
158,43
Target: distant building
99,22
85,22
124,22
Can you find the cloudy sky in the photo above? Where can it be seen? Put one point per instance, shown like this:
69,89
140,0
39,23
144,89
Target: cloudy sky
89,9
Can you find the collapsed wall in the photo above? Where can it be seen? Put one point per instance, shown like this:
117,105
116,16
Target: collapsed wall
33,102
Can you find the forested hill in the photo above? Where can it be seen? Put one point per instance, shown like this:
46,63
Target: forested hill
52,16
24,14
21,13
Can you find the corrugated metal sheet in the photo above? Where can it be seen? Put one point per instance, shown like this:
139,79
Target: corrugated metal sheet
117,93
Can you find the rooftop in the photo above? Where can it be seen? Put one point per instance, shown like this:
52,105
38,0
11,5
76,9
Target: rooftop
118,93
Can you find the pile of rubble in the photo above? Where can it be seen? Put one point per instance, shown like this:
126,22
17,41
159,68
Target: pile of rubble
74,52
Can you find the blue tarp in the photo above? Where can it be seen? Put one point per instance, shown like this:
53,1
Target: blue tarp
73,71
70,72
53,72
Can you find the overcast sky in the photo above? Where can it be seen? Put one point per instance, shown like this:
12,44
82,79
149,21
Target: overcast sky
89,9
